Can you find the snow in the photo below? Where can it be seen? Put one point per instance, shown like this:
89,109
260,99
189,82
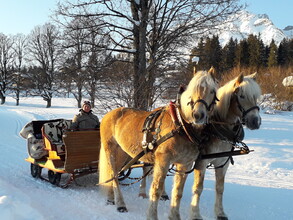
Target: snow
244,23
259,185
288,81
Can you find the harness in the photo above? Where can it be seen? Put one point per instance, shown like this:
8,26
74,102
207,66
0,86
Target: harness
236,135
208,106
224,133
243,111
148,127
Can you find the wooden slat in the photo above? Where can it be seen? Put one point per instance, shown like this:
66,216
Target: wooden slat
82,149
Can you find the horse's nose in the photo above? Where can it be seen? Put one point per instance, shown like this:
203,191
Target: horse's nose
254,123
199,115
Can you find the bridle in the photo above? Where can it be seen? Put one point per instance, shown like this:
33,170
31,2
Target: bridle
208,106
243,111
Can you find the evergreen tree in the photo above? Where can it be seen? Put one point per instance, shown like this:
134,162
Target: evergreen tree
282,52
200,52
242,54
254,51
290,53
213,52
272,60
229,55
264,52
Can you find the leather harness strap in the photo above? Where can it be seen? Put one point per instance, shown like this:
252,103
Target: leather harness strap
150,120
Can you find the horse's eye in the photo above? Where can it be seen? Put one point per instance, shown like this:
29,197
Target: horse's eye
242,96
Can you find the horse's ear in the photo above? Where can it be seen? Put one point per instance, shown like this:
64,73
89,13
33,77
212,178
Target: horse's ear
212,72
239,80
253,76
236,90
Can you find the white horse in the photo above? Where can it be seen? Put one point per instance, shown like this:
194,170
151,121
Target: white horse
121,133
237,104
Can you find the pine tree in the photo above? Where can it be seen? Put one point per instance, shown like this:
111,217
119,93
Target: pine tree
254,51
264,53
283,52
229,55
242,54
290,53
213,52
200,52
272,60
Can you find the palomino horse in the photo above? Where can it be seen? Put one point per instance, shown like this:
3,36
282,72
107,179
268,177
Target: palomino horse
237,104
121,133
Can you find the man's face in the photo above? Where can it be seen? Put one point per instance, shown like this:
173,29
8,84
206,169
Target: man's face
86,108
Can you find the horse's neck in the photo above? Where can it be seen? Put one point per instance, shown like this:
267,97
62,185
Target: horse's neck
182,99
231,117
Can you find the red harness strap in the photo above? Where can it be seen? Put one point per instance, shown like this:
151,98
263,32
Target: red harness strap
187,129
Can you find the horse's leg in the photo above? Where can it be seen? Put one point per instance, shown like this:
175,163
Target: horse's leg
142,186
197,188
108,165
177,191
161,167
220,180
110,197
164,196
121,158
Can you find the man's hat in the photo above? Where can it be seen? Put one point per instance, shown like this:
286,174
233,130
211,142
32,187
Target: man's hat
86,103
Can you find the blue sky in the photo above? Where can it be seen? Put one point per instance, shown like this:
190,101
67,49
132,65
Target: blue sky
21,16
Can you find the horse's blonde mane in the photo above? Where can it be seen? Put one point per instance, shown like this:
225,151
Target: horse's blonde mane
202,79
248,87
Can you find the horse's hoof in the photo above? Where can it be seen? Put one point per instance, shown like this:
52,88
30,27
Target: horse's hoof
109,202
222,218
122,209
164,198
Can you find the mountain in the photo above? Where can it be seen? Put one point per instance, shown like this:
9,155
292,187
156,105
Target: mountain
288,31
244,23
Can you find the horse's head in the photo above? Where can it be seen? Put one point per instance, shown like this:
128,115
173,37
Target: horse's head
239,100
198,99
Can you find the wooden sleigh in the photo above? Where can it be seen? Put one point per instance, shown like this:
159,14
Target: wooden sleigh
75,153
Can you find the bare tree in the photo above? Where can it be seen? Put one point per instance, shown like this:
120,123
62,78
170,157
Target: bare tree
154,32
44,49
19,57
76,48
98,59
6,63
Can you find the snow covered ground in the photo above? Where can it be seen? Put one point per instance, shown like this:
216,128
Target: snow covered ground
258,187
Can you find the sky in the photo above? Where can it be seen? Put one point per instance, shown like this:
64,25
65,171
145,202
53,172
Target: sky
21,16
